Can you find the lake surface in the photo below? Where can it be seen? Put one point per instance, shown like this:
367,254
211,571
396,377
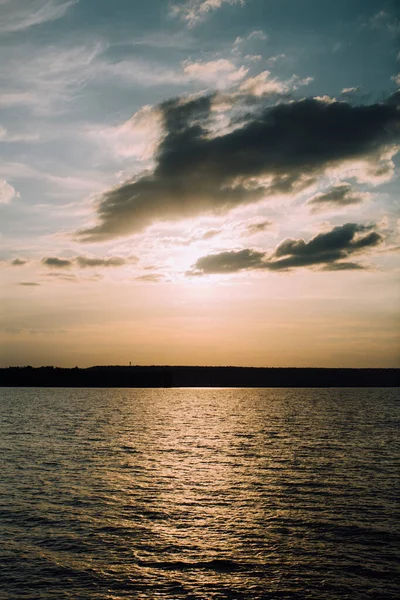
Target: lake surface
199,494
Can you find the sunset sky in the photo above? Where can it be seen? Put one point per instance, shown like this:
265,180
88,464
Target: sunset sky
211,182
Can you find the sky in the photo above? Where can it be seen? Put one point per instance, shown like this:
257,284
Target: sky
200,182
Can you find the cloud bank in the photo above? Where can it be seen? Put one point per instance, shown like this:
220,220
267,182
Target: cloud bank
278,150
328,251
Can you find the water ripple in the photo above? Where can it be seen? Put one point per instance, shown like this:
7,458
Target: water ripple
199,494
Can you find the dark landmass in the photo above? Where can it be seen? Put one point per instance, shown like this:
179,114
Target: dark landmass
164,376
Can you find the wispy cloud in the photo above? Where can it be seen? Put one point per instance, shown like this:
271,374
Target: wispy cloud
83,182
219,72
46,78
137,137
257,34
6,136
194,12
263,84
49,79
350,90
383,21
19,15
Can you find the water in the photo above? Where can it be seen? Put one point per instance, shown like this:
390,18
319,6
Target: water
199,494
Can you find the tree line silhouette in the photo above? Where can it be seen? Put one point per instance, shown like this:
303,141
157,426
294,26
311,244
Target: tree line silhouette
180,376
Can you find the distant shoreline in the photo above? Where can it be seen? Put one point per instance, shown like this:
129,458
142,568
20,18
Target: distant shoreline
179,376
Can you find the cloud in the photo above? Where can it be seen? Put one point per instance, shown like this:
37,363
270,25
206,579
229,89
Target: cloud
327,251
262,84
114,261
255,228
338,195
5,136
150,278
325,248
45,79
84,182
18,98
29,283
196,236
63,277
274,59
210,233
18,262
278,150
138,137
396,79
85,262
194,12
258,34
57,263
219,72
254,57
350,90
19,15
384,22
229,262
7,192
31,331
343,266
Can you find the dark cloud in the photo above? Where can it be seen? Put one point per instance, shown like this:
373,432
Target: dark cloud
342,194
85,262
325,248
229,262
57,263
328,251
343,266
18,262
114,261
29,283
280,149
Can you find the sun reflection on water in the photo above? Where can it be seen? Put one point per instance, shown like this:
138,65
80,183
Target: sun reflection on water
201,493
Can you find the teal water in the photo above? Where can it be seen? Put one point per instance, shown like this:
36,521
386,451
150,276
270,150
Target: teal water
199,494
